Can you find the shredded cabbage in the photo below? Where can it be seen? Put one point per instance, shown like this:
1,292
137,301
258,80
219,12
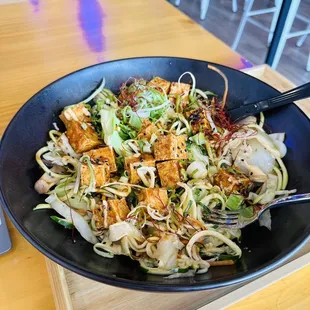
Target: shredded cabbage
150,166
72,216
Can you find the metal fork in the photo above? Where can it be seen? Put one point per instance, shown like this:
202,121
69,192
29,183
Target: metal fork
233,219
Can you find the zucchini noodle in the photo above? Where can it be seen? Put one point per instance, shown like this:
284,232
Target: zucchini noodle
143,172
188,204
279,175
177,127
215,234
211,122
284,173
53,133
262,119
101,250
206,200
146,170
153,214
78,177
131,146
201,93
120,190
39,153
92,182
193,80
96,92
209,151
184,121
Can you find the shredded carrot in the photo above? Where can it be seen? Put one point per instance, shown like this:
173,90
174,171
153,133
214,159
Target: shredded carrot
227,262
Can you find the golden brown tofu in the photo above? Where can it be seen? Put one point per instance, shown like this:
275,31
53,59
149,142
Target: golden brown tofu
102,174
132,163
98,214
137,158
77,112
82,140
169,173
116,211
103,154
160,83
147,129
170,147
231,182
198,119
156,197
181,147
179,90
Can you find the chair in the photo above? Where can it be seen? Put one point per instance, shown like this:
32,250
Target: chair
302,39
205,5
248,17
287,34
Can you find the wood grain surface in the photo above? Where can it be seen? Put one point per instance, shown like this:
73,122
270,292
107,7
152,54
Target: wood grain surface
72,291
24,282
41,41
290,293
44,40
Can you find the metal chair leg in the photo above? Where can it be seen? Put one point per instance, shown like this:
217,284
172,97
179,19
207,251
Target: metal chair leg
242,24
246,2
286,30
273,25
308,64
302,39
204,8
234,6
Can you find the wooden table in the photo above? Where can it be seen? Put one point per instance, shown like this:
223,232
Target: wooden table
42,40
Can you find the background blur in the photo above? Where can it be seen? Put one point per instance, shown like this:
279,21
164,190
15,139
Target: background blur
223,23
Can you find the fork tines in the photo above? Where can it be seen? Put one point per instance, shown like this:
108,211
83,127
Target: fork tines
224,218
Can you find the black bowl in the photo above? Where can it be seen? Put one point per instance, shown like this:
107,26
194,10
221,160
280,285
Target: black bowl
28,130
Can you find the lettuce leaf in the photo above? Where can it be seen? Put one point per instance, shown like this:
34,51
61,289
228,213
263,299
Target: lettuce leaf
234,202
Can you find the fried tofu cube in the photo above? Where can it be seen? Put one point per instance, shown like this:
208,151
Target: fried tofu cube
169,173
77,112
170,147
103,154
137,158
109,213
132,163
181,147
156,197
98,215
102,174
179,90
82,138
160,83
231,182
198,120
147,129
118,210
